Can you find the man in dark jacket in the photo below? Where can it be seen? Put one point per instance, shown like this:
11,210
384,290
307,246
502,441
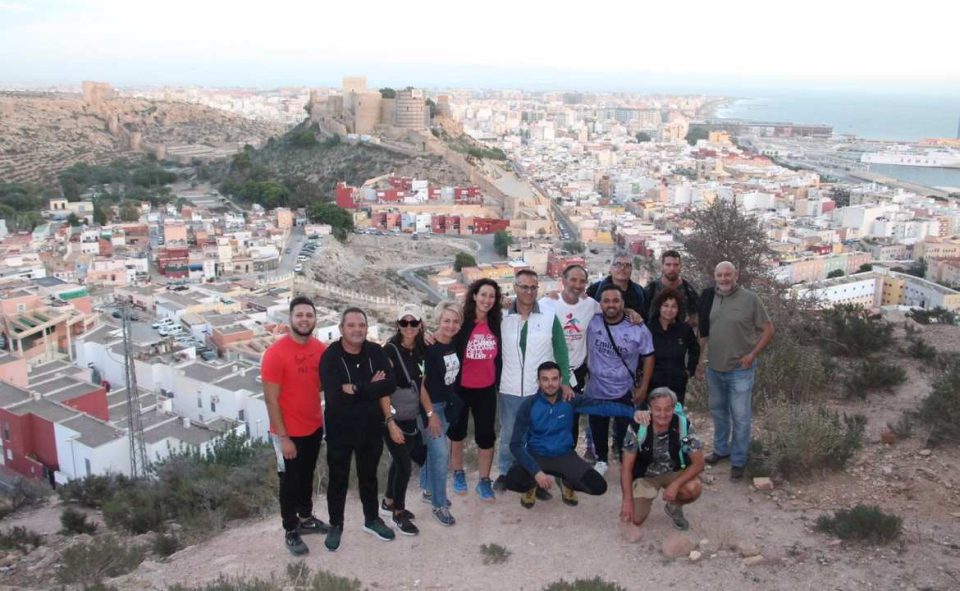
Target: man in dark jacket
670,278
355,375
634,298
542,441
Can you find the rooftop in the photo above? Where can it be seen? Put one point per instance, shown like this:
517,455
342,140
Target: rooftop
93,433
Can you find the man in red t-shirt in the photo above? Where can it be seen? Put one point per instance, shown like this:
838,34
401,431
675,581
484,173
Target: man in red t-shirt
290,372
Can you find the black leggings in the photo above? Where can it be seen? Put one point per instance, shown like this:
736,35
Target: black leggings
581,374
398,477
296,479
482,404
600,429
368,453
571,468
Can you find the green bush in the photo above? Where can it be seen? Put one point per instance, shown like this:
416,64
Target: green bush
138,510
873,375
919,349
100,558
851,330
27,492
94,490
299,576
799,441
165,544
20,538
75,522
940,410
938,315
863,523
494,553
594,584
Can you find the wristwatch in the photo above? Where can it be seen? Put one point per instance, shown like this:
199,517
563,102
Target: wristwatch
429,413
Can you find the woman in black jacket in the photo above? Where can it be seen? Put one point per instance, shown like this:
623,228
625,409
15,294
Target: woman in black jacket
676,350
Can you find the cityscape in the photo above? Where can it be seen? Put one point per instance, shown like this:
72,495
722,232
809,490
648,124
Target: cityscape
153,236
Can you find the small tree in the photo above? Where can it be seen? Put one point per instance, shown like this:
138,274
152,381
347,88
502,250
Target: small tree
463,259
129,212
574,246
501,242
724,233
73,220
835,273
643,137
865,268
696,134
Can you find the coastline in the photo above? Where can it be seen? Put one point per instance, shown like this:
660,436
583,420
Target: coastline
709,109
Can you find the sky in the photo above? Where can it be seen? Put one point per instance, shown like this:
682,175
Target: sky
713,46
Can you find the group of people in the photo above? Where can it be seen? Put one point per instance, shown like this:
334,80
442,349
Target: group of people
524,370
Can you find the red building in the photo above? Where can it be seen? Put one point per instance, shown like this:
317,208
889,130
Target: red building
174,261
556,263
28,416
489,225
401,183
346,196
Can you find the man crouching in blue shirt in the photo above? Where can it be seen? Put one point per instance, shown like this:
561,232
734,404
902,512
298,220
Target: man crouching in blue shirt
543,444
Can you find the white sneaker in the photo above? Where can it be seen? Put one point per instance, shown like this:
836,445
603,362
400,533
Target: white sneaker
601,467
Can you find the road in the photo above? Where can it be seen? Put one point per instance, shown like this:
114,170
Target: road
409,274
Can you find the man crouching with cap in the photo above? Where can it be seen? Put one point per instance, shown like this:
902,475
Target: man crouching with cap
666,454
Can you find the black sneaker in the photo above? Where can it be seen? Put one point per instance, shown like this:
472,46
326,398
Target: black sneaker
543,494
295,544
500,484
675,513
333,538
405,526
312,525
736,473
378,528
714,458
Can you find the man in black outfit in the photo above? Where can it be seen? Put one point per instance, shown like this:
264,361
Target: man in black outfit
670,278
355,375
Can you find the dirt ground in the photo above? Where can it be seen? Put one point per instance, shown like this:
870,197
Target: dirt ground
553,541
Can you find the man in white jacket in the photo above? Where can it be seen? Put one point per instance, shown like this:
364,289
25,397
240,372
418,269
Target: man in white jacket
531,334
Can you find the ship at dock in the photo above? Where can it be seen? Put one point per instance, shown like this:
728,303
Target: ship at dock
901,156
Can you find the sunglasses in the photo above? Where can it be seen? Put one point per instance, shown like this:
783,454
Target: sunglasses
408,323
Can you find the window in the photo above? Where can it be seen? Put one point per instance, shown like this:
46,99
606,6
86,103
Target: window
86,462
213,406
6,431
241,415
21,307
199,400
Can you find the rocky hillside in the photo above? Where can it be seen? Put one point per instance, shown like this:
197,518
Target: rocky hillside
43,133
330,162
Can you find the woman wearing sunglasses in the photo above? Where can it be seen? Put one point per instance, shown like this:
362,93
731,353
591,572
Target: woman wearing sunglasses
405,350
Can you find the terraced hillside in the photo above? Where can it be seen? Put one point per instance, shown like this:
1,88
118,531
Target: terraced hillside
43,133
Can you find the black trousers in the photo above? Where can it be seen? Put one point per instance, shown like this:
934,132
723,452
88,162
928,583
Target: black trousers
581,374
600,429
367,451
398,477
296,479
571,468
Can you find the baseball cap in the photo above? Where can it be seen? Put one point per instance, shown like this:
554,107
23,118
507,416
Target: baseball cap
410,310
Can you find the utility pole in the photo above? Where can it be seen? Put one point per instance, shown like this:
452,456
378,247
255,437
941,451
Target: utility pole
138,451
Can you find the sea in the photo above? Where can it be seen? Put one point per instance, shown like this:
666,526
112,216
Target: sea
900,117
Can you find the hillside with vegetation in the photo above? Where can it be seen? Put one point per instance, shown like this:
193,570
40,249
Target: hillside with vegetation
302,166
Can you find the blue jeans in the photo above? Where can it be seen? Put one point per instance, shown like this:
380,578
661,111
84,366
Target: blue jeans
507,408
433,474
731,396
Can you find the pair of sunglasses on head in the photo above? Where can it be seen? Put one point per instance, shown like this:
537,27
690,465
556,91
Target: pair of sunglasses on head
408,323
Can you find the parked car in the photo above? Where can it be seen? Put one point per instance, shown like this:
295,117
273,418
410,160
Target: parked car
298,268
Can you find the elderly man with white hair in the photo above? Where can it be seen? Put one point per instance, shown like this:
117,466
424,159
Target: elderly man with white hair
737,331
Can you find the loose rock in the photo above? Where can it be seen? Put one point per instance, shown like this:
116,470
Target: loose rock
762,483
677,545
695,556
748,550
